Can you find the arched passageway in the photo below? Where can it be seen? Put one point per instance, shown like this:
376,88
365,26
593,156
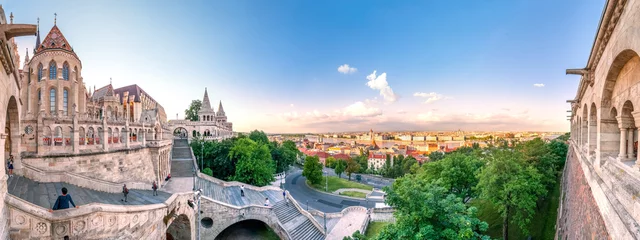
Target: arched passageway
179,229
12,133
180,132
247,229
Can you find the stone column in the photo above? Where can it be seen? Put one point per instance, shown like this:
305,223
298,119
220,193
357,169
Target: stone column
75,133
127,135
630,143
104,135
623,138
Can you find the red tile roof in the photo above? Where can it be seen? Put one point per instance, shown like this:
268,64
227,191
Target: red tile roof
341,156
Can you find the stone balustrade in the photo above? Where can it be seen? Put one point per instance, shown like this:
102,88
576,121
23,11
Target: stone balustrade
95,220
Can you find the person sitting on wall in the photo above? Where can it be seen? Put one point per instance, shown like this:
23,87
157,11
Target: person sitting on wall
63,201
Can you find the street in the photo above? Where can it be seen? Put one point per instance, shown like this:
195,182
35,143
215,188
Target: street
295,184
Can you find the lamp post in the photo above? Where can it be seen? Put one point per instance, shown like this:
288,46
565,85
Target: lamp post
202,152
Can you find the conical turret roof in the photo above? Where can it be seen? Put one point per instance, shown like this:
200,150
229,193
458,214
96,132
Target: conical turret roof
206,104
53,40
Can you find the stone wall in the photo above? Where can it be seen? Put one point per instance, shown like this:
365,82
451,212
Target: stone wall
119,166
224,215
97,221
579,215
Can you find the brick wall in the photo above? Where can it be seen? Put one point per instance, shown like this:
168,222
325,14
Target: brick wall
579,217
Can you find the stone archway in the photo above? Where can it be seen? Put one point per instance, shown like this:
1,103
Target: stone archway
181,132
11,135
179,229
247,229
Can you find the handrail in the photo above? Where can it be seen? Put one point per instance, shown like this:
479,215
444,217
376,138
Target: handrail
40,175
87,209
306,214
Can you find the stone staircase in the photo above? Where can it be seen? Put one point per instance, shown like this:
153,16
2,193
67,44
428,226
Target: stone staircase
297,225
181,162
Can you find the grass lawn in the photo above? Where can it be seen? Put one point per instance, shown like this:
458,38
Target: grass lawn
542,224
354,194
374,228
336,183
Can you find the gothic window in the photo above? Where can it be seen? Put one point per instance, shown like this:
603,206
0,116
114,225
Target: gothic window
40,72
39,95
65,102
52,100
53,70
65,71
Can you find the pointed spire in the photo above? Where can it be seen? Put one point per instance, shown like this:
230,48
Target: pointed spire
220,109
11,17
206,105
38,37
26,57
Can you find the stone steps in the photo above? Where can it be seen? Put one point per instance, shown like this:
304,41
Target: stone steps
290,218
306,230
180,149
181,162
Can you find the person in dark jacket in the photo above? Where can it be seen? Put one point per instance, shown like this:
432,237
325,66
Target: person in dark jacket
155,188
63,201
125,191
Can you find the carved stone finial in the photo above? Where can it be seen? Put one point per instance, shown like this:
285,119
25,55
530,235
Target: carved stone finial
11,17
55,18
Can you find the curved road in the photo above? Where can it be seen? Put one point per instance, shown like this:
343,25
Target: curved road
328,203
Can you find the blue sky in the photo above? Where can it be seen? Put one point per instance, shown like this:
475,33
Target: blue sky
274,64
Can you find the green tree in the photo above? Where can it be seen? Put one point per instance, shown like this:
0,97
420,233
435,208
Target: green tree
352,167
425,210
513,186
191,113
435,156
255,165
312,169
330,162
259,137
208,171
340,167
355,236
456,172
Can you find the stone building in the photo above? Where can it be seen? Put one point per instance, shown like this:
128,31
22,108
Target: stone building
66,128
211,125
601,181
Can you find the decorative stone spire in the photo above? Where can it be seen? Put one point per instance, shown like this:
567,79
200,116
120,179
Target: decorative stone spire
26,57
55,18
11,17
220,109
37,37
206,105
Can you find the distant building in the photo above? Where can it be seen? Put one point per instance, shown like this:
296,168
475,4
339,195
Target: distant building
376,161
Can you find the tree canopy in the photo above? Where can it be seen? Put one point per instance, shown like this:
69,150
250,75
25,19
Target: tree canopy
352,167
457,173
191,113
259,136
340,167
425,210
312,169
255,165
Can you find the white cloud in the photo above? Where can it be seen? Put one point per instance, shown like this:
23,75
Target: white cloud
538,84
345,69
380,83
356,111
359,109
431,97
291,105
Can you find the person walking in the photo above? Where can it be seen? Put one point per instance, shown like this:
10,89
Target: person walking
125,191
10,166
266,202
284,195
168,177
155,188
63,201
241,190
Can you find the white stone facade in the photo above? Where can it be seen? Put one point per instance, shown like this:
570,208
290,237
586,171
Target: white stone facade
211,125
605,116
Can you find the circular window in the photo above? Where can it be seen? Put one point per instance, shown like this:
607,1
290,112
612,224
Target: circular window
206,222
28,129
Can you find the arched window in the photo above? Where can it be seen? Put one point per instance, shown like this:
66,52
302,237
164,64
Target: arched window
39,95
65,102
65,71
53,70
52,100
40,72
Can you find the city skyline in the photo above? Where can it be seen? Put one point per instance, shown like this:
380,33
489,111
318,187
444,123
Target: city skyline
326,67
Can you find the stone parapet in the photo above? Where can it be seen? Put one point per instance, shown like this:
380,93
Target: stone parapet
306,214
95,221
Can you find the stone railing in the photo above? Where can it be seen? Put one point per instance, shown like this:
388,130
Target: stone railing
91,221
159,143
306,214
365,224
338,214
40,175
233,214
614,187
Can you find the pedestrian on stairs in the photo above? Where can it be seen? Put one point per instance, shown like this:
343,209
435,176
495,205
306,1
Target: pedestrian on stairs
266,202
125,191
168,177
284,195
10,165
155,188
241,190
63,201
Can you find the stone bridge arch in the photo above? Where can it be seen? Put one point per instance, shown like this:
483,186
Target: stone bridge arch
216,217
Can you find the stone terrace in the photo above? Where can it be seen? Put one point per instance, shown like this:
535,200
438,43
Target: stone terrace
231,194
45,194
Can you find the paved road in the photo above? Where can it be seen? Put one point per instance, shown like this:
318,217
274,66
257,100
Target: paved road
376,182
295,183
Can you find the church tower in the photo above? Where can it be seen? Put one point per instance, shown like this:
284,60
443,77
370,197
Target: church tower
221,117
206,113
